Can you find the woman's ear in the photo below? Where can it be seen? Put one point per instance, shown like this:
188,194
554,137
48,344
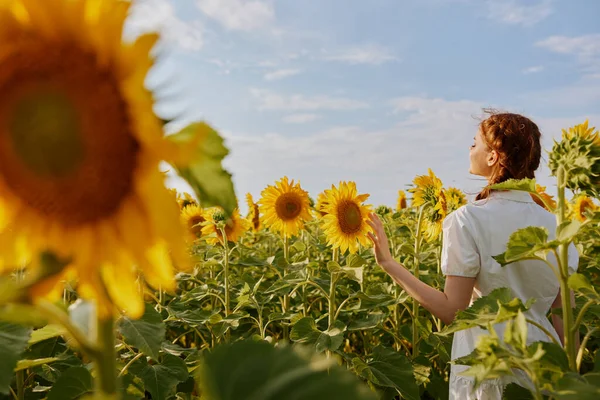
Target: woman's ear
492,158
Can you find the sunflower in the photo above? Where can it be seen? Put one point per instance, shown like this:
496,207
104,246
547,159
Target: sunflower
427,189
583,205
253,213
322,203
192,216
345,223
544,199
434,217
235,226
582,130
401,204
285,207
455,198
185,200
80,148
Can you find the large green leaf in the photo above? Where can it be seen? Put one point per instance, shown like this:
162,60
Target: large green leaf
72,384
249,370
204,173
500,305
389,368
526,244
161,379
13,341
146,333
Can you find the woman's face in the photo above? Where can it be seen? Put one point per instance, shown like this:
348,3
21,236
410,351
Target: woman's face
482,157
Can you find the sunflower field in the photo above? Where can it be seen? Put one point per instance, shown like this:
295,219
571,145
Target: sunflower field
113,286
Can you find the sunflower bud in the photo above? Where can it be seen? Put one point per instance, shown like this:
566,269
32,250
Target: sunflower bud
578,153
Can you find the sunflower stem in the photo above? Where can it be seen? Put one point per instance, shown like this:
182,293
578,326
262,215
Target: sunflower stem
331,301
105,360
415,310
286,297
225,269
563,262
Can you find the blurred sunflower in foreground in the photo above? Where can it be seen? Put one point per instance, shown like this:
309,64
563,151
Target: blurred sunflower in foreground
80,148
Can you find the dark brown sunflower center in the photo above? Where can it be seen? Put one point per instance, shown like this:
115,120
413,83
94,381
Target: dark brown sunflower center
66,146
349,217
288,206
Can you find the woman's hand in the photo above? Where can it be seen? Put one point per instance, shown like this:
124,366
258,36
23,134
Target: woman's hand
381,246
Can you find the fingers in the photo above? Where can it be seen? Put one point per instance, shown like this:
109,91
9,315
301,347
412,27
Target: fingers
373,238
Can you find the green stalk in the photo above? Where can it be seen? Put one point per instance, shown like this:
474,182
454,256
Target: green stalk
106,361
415,310
563,262
286,297
21,385
331,298
226,270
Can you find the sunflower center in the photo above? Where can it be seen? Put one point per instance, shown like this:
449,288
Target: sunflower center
288,206
349,217
45,133
67,150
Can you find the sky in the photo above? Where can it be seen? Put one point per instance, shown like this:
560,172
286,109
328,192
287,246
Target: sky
374,91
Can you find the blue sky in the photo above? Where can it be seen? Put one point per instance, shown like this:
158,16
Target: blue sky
372,91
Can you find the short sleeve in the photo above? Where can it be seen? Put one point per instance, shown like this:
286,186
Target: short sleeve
573,259
460,255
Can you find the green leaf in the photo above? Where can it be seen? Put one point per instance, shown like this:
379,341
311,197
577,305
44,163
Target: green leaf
258,371
146,333
355,261
496,307
525,185
581,284
299,246
47,332
388,368
24,364
13,341
370,321
513,391
161,379
305,331
205,174
526,244
573,386
567,230
332,338
72,384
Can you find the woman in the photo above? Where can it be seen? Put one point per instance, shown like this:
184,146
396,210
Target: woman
506,146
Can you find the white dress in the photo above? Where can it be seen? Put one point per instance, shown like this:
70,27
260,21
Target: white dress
471,236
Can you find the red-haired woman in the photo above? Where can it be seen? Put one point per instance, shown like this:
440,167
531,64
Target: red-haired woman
506,146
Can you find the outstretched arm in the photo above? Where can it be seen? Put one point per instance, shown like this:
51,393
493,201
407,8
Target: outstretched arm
444,305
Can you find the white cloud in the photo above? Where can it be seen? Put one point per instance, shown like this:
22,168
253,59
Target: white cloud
519,12
159,15
363,54
300,118
533,70
272,101
585,48
281,74
243,15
